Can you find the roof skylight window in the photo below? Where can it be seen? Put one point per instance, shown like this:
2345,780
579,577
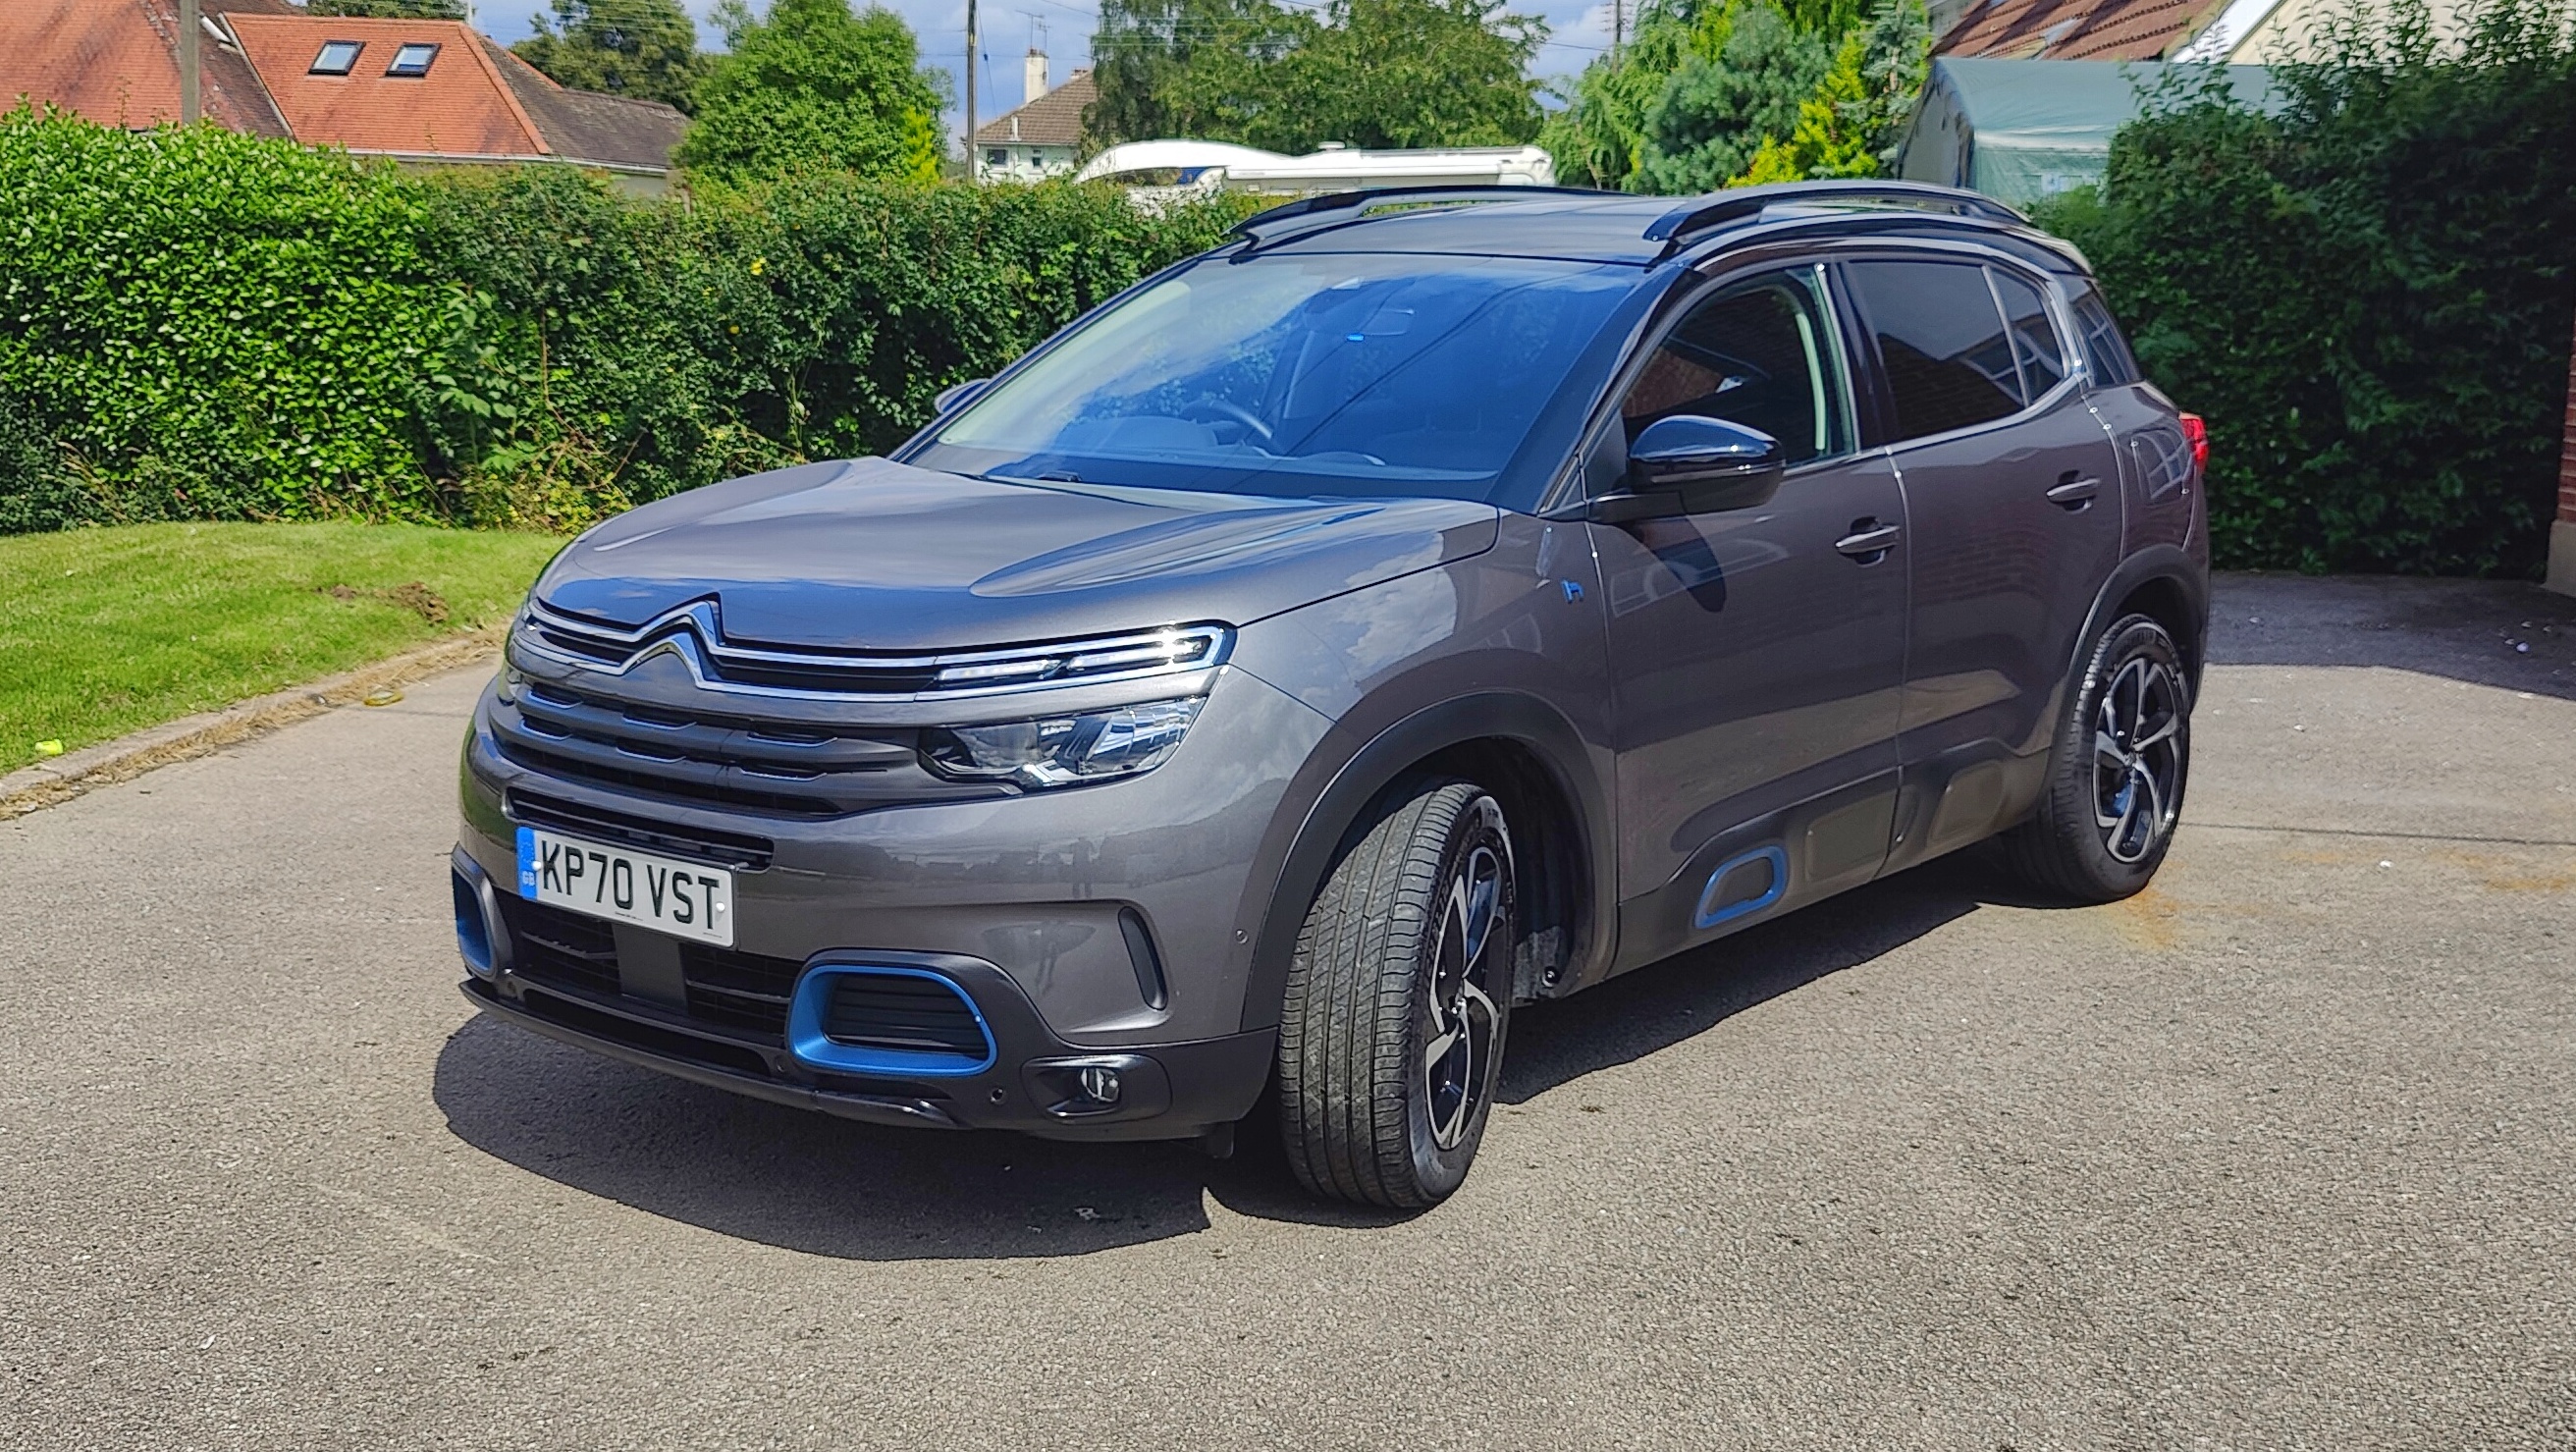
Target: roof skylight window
413,60
338,57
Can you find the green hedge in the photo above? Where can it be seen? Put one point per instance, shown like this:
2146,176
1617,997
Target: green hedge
2369,296
195,324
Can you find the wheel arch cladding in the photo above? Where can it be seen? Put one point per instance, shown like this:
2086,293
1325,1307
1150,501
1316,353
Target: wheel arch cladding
2163,584
1533,761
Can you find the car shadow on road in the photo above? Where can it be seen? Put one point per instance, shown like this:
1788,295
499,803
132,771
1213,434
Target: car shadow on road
825,1186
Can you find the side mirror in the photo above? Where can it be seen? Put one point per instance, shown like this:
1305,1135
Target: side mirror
1689,464
957,395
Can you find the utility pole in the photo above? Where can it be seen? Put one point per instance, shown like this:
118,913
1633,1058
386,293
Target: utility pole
973,162
1618,26
191,24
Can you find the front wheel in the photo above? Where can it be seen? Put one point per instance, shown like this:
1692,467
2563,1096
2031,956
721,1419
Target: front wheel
1391,1036
2115,778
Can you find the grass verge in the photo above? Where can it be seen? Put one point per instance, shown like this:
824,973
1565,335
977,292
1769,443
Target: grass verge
106,631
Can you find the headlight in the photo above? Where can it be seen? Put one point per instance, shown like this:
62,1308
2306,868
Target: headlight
1062,750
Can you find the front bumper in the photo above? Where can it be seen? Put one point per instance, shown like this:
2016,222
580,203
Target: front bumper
1030,1083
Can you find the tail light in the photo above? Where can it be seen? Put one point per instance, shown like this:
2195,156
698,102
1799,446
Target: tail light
2197,433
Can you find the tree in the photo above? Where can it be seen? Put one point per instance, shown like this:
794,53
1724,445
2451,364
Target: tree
1406,73
390,9
647,49
812,87
1853,123
1194,68
1715,113
1366,73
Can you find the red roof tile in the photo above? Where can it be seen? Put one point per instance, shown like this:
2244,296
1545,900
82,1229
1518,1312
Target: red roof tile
116,62
460,108
2111,30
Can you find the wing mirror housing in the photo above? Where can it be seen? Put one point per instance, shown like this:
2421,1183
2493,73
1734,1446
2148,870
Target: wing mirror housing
957,395
1691,464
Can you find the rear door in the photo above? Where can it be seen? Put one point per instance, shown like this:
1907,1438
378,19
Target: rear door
2013,510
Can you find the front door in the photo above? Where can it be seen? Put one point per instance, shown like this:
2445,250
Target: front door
1757,654
2013,504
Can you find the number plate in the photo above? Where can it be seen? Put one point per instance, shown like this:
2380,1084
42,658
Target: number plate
684,899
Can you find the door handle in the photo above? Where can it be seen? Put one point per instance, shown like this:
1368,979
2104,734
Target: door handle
1869,540
2073,492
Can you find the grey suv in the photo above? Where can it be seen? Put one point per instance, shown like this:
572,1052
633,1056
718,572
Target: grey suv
1428,602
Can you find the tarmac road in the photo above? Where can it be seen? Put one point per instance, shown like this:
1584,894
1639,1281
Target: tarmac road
2278,1155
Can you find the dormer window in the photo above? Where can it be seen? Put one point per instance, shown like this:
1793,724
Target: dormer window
338,57
412,60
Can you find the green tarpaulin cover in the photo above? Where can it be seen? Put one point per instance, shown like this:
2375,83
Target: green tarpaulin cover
2018,130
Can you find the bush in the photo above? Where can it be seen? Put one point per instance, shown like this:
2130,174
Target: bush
224,327
2367,295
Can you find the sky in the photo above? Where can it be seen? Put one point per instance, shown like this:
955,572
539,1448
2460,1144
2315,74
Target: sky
1579,30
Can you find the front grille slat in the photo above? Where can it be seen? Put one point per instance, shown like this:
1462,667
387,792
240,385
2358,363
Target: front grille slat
727,849
781,768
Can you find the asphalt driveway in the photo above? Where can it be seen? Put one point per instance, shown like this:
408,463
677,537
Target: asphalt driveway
2277,1155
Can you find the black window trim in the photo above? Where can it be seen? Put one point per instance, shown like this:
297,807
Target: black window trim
1567,496
1933,250
357,51
433,47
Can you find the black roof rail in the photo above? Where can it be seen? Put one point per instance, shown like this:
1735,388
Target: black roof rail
1312,212
1702,214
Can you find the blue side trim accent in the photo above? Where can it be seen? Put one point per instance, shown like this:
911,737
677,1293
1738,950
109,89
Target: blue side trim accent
811,1008
473,936
528,863
1708,917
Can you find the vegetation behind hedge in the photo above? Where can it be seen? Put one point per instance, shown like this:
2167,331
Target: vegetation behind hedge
197,324
2369,296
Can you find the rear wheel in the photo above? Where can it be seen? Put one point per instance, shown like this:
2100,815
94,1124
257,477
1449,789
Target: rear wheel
1392,1032
2116,776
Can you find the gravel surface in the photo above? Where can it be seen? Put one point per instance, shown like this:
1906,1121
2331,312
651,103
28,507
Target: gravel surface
2276,1155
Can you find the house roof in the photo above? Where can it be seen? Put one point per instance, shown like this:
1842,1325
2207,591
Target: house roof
591,127
476,101
460,108
1054,119
2111,30
116,62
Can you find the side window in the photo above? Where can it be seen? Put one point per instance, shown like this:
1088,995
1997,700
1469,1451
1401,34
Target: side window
1759,353
2035,343
1948,360
2106,354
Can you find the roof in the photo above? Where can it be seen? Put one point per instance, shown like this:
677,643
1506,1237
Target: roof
2077,29
591,127
116,62
477,101
1613,227
1054,119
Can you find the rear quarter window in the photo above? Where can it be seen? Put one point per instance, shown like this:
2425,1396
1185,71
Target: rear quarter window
2106,353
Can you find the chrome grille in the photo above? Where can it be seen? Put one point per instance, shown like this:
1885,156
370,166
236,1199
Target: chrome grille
737,762
694,633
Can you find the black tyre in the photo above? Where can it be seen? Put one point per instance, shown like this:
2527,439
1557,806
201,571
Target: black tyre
2116,775
1398,997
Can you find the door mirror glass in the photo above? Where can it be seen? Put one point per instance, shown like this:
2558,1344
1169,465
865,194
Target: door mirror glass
1691,464
957,395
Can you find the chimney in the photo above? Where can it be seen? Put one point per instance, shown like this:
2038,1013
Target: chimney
1034,80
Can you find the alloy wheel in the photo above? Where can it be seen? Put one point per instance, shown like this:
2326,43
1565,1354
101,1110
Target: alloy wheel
2137,758
1469,966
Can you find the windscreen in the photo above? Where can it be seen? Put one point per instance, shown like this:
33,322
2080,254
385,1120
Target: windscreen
1373,375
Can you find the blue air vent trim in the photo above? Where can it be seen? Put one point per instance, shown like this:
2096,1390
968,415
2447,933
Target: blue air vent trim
1709,917
811,1009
